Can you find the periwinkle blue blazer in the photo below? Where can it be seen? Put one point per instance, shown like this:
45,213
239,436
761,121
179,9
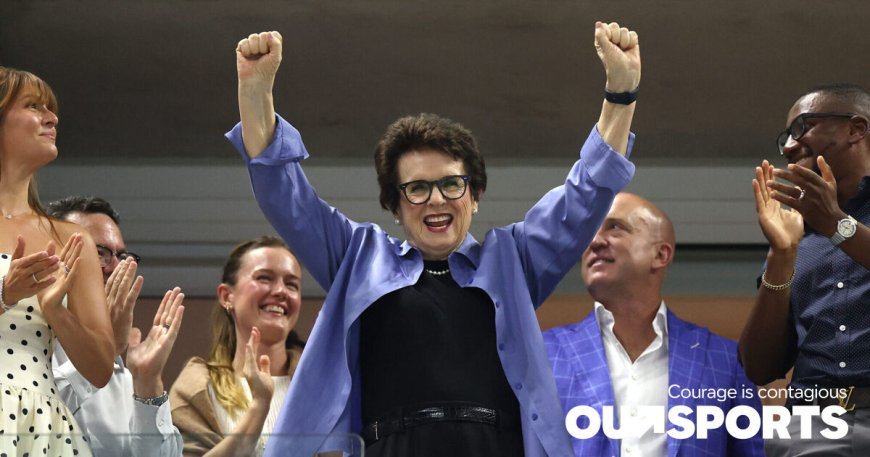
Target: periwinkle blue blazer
696,359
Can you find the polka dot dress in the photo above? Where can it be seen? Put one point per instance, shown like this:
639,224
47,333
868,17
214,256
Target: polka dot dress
33,420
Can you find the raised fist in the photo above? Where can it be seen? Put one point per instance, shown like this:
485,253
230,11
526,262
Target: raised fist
619,51
258,57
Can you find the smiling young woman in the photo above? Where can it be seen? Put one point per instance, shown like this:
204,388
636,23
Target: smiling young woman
238,391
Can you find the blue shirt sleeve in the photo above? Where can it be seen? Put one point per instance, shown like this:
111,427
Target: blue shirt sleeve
316,232
552,236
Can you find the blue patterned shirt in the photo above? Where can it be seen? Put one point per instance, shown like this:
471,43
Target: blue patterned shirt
830,309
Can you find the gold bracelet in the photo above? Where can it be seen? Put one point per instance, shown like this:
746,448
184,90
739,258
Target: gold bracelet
776,287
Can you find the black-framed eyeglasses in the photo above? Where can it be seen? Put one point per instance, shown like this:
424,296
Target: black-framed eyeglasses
106,255
799,127
418,192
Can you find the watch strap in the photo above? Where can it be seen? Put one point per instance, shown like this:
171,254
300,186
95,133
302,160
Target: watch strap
839,237
153,401
621,98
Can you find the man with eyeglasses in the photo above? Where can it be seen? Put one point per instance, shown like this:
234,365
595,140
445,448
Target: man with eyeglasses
130,416
811,311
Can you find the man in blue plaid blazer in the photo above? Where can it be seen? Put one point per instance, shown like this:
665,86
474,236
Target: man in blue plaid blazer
632,353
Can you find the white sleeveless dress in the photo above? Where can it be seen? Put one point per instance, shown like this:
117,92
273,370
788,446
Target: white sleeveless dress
33,419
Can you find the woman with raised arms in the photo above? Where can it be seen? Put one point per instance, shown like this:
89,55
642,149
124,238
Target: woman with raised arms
430,346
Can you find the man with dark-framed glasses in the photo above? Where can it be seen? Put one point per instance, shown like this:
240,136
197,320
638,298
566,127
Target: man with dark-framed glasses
130,416
811,311
100,220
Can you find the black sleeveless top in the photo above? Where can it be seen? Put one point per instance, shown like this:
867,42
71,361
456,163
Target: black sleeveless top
434,343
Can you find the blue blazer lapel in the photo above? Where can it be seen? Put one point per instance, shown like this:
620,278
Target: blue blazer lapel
687,347
593,367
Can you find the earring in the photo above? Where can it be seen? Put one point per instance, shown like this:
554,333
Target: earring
229,308
398,222
474,211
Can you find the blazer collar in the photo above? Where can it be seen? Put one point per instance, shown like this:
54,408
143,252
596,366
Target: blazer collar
687,346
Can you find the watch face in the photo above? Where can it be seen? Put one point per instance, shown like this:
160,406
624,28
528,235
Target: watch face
846,227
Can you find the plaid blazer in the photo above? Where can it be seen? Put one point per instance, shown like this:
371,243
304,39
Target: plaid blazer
696,359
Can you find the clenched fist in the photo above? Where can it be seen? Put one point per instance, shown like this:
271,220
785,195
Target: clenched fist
258,57
619,51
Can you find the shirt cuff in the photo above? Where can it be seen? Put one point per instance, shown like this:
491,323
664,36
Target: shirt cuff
152,420
81,388
286,145
606,167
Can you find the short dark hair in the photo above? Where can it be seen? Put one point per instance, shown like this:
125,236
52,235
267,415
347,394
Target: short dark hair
82,204
850,94
420,132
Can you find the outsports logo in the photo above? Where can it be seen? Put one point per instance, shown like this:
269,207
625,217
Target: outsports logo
740,421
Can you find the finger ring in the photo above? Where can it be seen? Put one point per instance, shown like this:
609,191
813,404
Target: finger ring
33,275
66,269
166,326
803,193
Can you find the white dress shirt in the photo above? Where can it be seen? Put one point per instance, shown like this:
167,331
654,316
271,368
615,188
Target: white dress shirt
115,423
643,382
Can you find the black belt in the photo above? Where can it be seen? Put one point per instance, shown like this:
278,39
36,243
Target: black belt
414,417
854,398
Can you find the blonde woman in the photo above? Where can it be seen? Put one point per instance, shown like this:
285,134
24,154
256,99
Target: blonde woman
224,404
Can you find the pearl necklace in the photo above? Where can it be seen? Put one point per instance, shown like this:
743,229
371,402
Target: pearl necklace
438,272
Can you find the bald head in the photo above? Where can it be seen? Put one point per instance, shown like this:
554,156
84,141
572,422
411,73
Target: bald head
631,252
658,224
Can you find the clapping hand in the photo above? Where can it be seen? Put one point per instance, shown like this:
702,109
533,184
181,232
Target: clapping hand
30,274
147,358
122,291
782,227
52,296
813,196
256,370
